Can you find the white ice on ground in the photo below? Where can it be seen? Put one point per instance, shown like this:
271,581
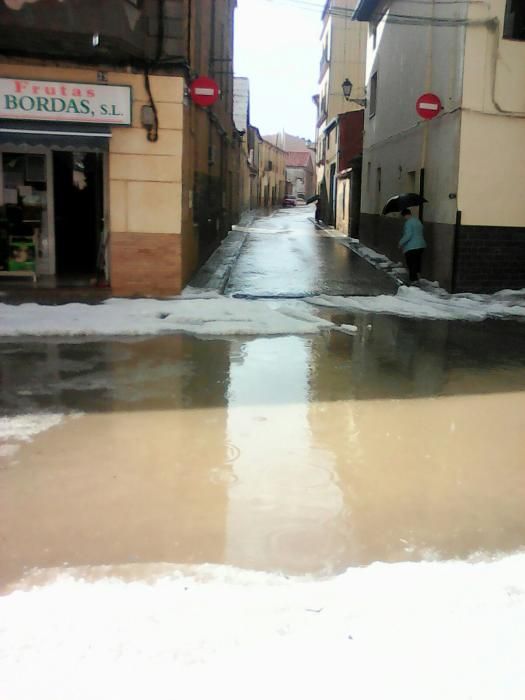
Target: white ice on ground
218,316
209,314
24,427
347,328
433,303
190,292
405,631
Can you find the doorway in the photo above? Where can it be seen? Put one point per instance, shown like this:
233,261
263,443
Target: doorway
78,197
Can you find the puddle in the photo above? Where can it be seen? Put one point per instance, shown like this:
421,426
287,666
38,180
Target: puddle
404,441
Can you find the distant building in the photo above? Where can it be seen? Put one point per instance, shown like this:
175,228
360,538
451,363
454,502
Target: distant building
288,142
262,176
272,174
248,172
300,171
343,57
241,103
300,175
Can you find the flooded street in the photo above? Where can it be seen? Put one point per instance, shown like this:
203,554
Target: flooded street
293,454
287,255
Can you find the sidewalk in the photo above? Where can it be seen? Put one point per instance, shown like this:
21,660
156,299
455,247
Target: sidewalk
212,276
395,270
53,296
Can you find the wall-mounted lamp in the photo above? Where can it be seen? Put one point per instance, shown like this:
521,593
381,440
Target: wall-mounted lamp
95,40
347,91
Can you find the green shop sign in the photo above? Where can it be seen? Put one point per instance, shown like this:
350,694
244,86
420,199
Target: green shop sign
21,98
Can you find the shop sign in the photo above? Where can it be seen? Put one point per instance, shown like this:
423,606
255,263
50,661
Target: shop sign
22,98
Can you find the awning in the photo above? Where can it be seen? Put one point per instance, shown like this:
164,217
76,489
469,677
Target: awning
58,135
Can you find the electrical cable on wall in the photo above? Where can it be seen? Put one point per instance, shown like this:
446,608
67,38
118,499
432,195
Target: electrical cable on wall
153,129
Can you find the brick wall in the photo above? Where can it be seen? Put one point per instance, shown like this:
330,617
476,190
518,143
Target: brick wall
490,258
145,264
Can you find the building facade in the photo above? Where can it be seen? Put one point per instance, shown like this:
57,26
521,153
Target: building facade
241,115
350,127
272,174
468,160
300,175
343,57
109,171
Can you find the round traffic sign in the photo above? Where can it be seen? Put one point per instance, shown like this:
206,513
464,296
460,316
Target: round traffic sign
428,106
204,91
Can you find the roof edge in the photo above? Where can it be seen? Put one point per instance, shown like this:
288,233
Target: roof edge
365,9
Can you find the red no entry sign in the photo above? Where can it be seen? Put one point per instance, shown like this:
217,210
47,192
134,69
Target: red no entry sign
204,91
428,106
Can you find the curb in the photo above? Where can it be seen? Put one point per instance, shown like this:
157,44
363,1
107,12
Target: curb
357,249
216,271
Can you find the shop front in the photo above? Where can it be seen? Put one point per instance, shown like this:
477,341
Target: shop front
54,146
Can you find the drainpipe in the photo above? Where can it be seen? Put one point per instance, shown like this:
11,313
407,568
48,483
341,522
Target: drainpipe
457,233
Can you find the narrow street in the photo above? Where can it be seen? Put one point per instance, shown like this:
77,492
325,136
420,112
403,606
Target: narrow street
286,255
262,350
306,455
189,506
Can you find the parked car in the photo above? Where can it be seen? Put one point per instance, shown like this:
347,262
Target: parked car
289,200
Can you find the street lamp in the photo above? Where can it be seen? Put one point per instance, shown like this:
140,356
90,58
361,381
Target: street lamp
347,91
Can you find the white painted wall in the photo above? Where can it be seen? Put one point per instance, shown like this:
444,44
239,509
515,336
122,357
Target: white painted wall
410,60
475,148
241,103
492,156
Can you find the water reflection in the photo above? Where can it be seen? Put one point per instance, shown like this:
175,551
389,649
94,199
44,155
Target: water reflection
284,498
404,441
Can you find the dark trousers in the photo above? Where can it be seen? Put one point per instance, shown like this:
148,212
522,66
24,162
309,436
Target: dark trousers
413,258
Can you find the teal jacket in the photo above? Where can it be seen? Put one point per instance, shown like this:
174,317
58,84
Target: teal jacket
412,238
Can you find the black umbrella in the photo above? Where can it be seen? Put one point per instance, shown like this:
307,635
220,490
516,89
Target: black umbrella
403,201
313,198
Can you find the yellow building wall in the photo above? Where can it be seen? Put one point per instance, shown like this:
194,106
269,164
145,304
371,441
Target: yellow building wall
144,205
348,60
492,162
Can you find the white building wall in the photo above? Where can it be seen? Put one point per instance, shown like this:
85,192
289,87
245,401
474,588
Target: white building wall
241,103
409,61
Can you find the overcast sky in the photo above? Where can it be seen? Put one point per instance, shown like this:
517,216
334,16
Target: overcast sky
277,48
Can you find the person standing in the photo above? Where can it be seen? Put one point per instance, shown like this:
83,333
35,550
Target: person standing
412,244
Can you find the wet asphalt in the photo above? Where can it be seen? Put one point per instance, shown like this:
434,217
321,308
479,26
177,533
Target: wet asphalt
287,255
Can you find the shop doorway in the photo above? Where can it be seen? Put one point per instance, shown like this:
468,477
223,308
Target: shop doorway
78,198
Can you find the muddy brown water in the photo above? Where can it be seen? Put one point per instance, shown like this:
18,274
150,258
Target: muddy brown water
301,455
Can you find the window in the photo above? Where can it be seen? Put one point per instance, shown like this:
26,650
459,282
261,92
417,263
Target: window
373,94
514,27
